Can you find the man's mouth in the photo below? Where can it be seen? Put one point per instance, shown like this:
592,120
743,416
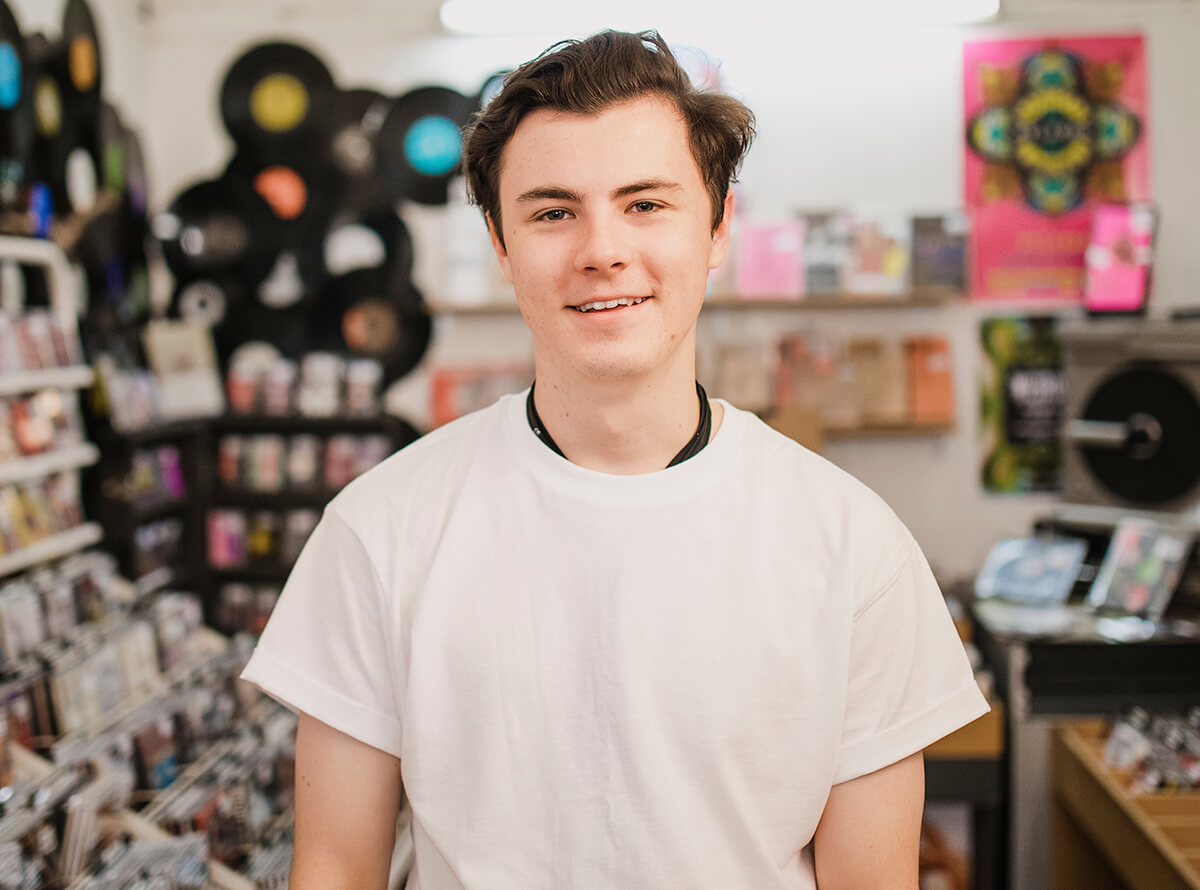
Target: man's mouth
601,305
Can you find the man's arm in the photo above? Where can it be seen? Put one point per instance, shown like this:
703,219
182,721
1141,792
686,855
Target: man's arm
870,832
347,798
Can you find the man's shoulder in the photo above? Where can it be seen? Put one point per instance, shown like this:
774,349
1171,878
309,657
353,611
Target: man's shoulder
830,495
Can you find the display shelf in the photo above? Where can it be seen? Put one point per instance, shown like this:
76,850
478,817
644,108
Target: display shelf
833,301
140,515
62,544
788,303
1104,837
297,423
76,377
60,460
252,572
154,581
159,432
887,431
272,500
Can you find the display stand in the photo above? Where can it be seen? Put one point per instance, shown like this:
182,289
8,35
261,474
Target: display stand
122,519
63,301
967,766
1046,682
1105,838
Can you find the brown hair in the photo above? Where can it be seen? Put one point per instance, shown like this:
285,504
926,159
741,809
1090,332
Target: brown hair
588,76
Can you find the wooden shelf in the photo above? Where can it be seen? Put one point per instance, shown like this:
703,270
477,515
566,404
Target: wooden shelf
26,468
76,377
62,544
810,302
312,499
1104,837
888,431
834,301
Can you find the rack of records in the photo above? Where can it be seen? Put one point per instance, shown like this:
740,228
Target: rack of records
42,441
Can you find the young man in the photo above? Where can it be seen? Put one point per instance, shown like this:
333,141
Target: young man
612,634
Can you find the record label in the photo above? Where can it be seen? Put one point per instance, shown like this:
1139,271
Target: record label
10,76
372,327
433,145
202,301
47,107
284,189
82,64
279,102
81,180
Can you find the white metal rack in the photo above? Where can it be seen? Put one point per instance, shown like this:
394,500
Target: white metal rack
64,302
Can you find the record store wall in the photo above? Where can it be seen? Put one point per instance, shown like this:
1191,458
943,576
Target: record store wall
847,118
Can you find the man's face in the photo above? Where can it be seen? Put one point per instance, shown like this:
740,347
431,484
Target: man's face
606,207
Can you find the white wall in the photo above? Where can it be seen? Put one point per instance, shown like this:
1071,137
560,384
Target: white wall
845,118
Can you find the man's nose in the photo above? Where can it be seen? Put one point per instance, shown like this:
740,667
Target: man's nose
603,246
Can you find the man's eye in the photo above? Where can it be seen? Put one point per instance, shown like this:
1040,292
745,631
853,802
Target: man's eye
644,207
554,215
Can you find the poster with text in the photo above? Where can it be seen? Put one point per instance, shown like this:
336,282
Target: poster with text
1020,404
1054,126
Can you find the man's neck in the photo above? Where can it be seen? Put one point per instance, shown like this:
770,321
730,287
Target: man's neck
624,427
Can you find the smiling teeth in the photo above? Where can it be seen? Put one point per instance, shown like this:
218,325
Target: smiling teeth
609,304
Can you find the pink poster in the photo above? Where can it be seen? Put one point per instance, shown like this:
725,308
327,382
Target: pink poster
1055,126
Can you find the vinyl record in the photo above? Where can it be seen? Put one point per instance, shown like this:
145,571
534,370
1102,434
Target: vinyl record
1159,461
421,142
365,315
219,228
491,89
356,240
84,60
203,300
135,173
299,195
271,95
45,67
83,166
16,111
249,321
111,131
350,123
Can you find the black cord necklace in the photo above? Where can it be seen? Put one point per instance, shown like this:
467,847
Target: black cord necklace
694,446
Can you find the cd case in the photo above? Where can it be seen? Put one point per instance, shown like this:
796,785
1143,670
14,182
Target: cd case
1034,571
1141,569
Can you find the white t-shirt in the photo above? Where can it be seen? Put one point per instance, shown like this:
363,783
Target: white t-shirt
599,681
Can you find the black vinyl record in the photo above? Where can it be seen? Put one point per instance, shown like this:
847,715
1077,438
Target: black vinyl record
247,320
421,142
111,132
1160,459
45,69
204,300
491,89
365,314
271,97
136,194
84,60
357,239
82,172
16,110
299,194
219,228
350,125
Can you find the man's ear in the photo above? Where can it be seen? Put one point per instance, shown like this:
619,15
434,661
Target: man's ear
498,247
720,242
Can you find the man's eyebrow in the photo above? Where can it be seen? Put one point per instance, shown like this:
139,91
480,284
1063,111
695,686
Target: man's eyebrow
558,193
549,193
646,185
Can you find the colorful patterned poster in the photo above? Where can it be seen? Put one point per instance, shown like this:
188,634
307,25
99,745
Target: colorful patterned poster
1053,127
1020,404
